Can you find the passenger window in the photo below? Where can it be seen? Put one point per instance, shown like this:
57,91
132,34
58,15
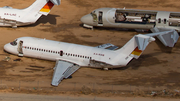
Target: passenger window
159,20
165,21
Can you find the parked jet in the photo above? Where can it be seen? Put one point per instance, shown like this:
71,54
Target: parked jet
20,17
69,57
132,19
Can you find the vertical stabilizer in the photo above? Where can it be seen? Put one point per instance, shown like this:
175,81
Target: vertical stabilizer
135,47
37,9
47,8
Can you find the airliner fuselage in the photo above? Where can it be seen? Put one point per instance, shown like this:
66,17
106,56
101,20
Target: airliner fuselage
54,50
132,19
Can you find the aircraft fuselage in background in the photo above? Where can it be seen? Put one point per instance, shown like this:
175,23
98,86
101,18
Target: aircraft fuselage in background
132,19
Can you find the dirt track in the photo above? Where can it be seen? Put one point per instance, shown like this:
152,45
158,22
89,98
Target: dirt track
158,66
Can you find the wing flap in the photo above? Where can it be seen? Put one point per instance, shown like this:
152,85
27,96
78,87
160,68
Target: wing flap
63,70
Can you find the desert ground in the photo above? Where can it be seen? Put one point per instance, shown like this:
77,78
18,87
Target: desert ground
157,68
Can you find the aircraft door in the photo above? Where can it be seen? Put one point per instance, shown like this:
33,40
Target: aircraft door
61,53
100,18
20,46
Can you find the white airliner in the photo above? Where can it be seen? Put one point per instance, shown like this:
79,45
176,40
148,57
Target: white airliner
20,17
69,57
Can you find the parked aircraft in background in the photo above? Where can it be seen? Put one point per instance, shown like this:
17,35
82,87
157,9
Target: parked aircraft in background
20,17
132,19
69,57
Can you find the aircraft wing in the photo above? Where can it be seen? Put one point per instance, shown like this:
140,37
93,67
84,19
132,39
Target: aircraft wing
108,46
63,70
169,38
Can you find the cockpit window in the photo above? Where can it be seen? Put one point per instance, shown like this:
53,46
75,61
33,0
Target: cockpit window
14,43
94,16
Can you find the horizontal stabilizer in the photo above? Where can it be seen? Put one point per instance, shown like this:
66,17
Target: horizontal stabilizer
63,70
167,36
56,2
108,46
143,40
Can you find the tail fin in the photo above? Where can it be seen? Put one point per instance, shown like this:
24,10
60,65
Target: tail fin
135,47
38,8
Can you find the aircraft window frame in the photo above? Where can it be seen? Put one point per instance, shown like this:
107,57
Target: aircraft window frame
14,43
94,15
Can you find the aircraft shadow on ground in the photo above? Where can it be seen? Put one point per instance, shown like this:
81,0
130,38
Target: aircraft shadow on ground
46,19
162,47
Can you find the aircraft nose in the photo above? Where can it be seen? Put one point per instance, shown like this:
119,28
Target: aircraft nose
87,19
9,48
6,47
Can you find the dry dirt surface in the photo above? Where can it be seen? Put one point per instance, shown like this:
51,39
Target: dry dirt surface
158,67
